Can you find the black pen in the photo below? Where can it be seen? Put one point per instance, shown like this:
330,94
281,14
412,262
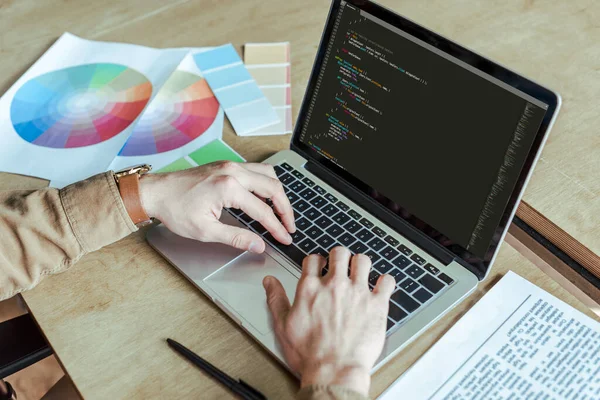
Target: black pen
239,387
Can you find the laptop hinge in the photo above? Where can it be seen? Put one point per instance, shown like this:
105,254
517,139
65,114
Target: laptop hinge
403,228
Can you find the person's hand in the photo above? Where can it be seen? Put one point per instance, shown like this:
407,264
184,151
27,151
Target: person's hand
190,202
335,330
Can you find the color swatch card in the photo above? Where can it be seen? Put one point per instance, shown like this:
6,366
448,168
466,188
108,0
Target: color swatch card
183,116
217,150
69,115
244,103
269,64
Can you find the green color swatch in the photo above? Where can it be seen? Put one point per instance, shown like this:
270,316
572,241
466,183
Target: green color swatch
216,150
176,165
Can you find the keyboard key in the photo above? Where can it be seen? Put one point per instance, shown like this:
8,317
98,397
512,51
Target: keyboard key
331,198
308,194
373,277
409,285
292,197
335,230
297,215
278,170
392,242
372,255
319,190
432,284
318,202
397,275
312,214
446,278
405,301
287,166
321,251
308,182
246,218
365,235
307,245
258,227
302,224
330,210
291,251
286,179
313,232
414,272
389,253
326,241
400,261
358,248
235,211
324,271
433,270
353,227
379,232
376,244
396,313
342,206
297,236
298,174
341,218
323,222
383,266
366,223
418,259
422,295
301,206
346,239
405,250
297,186
390,324
354,214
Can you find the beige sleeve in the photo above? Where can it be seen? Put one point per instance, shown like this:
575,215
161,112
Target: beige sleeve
44,232
322,392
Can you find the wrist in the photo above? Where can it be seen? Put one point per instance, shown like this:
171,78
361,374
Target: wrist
351,377
149,194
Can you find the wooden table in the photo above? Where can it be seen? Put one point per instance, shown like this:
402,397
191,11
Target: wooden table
108,317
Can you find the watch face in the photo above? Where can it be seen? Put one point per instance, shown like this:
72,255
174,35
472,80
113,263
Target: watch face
140,169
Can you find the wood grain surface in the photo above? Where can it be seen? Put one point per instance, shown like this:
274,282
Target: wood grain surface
107,318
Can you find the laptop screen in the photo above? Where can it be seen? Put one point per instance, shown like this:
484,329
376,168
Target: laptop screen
439,139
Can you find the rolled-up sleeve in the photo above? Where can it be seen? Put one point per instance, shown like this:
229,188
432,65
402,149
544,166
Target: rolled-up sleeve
46,231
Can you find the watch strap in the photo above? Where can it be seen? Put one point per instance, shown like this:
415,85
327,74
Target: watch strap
10,393
129,188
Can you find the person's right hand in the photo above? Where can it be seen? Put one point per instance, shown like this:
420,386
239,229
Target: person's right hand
335,330
190,202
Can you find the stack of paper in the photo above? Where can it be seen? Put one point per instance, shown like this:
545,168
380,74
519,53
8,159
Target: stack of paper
518,342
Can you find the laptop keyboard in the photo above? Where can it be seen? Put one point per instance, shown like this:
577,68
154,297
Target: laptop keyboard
323,222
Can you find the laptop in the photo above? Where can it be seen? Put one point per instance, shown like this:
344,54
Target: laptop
408,148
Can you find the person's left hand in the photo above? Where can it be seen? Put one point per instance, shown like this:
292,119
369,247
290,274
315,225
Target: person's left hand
190,202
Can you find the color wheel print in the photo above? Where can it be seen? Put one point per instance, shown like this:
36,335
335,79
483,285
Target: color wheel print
183,109
79,106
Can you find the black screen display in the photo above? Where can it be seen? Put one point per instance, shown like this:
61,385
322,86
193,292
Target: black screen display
432,134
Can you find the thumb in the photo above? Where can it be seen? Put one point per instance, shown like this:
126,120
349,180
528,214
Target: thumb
277,299
234,236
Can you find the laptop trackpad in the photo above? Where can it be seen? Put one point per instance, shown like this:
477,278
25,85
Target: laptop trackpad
239,285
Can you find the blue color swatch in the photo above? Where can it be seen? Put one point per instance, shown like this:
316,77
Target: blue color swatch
244,103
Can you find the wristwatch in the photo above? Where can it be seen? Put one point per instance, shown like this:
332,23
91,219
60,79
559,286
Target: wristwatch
10,392
128,182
